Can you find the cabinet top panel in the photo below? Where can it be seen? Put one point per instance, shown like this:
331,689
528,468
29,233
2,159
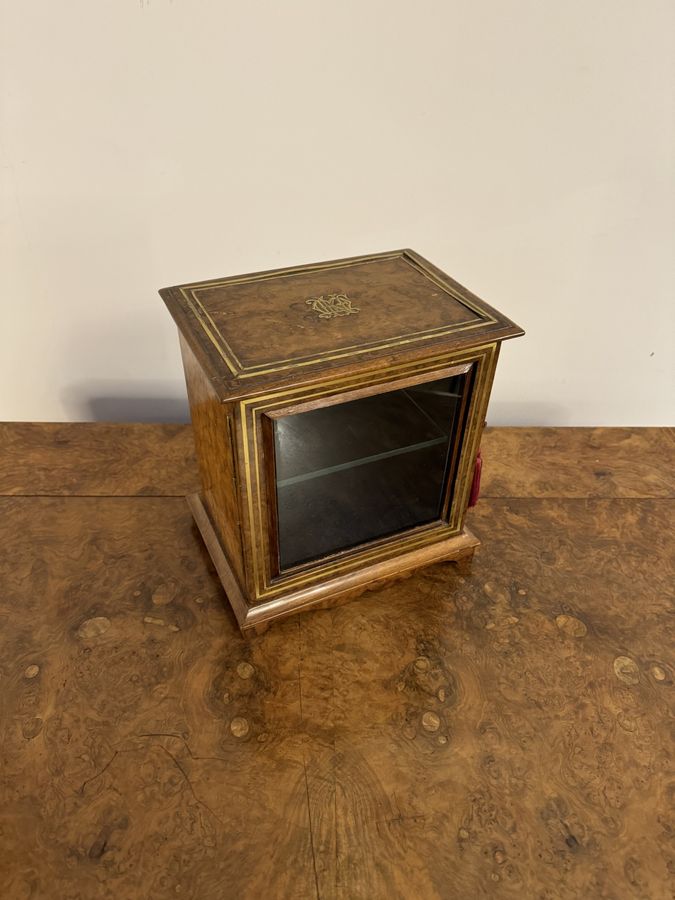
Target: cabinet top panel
254,332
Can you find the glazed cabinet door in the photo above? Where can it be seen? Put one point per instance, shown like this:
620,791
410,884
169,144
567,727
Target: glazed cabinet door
365,469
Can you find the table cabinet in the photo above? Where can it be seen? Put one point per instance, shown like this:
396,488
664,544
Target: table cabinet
337,412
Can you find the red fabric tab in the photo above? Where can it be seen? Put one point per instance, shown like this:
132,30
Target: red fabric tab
475,484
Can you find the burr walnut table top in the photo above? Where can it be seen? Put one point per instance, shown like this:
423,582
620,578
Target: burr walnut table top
502,733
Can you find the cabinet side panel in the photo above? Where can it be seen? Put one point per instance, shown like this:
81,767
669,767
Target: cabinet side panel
214,441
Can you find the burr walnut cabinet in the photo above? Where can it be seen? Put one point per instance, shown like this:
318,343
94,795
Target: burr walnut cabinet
337,412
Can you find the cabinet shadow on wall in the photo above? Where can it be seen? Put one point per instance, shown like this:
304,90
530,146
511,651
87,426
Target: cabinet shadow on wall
133,402
520,413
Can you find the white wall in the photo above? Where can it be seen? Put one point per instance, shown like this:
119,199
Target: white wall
525,146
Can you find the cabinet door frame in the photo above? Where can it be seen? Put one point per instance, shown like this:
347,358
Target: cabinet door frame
269,452
257,469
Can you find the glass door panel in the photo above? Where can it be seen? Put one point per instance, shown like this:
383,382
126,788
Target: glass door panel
365,469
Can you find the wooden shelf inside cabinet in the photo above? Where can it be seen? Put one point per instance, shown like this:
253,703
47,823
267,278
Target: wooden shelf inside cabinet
337,411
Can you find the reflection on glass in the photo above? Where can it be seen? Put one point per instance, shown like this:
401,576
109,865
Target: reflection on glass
361,470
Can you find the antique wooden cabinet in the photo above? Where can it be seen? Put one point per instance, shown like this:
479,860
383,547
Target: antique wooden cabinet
337,412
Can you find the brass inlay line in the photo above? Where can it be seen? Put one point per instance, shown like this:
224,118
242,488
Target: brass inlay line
241,371
291,271
249,499
340,353
197,315
355,350
373,378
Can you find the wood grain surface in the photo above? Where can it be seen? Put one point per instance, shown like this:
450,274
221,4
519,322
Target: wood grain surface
96,459
579,462
213,434
402,309
502,733
102,459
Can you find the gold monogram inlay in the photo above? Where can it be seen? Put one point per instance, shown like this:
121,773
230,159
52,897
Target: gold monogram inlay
332,305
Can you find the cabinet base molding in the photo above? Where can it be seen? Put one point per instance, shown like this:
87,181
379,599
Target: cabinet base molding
255,617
